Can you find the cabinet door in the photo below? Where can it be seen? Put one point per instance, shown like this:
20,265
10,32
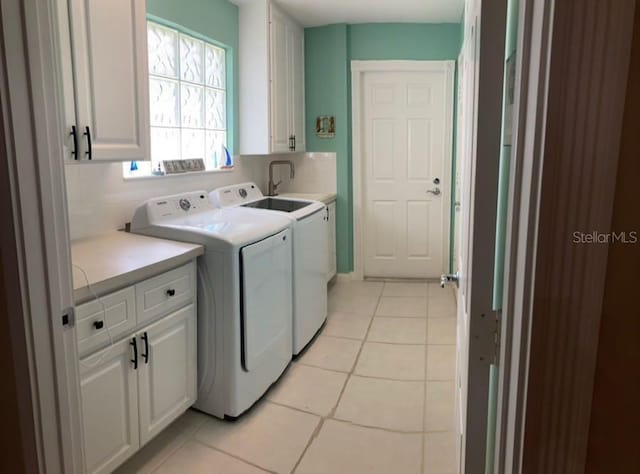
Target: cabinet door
108,387
111,84
167,375
280,90
296,75
331,240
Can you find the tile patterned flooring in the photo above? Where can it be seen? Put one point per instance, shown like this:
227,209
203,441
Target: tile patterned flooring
374,393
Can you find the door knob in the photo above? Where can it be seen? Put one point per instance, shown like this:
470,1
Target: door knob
448,277
435,191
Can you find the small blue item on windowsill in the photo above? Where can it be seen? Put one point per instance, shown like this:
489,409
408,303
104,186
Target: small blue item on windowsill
228,163
134,166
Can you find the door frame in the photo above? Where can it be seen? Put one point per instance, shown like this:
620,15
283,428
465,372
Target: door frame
36,253
358,69
488,19
552,311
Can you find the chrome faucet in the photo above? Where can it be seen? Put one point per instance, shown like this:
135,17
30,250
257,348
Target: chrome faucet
274,186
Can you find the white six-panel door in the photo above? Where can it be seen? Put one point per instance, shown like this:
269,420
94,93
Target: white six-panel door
406,123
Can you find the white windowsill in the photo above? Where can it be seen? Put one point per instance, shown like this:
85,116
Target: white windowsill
177,175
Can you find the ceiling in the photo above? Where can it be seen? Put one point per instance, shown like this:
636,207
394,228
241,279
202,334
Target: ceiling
326,12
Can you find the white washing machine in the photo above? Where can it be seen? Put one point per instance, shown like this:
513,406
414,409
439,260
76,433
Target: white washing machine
310,249
244,295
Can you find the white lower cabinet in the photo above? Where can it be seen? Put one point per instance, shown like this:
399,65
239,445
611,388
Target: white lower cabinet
331,240
109,390
167,374
133,389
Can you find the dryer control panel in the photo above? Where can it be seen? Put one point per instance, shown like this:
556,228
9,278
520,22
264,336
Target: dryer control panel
170,207
236,195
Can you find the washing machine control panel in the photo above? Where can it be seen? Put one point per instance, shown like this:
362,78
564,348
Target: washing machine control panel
185,204
236,194
178,205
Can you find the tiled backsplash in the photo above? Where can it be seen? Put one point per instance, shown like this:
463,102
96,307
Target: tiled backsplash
315,173
100,200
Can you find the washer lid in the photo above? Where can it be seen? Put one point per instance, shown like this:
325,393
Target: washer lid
192,213
237,228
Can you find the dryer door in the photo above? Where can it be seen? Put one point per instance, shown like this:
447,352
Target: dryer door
266,297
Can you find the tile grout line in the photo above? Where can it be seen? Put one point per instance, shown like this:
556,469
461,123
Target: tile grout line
187,438
234,456
331,414
357,358
192,432
424,402
378,378
379,428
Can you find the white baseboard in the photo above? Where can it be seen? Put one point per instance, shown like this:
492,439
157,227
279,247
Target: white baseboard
344,277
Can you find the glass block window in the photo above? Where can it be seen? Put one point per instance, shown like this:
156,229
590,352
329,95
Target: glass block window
187,99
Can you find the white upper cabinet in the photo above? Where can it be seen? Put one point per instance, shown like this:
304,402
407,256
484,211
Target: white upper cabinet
296,70
271,63
105,79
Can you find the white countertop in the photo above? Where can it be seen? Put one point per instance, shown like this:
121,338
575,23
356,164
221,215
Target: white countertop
118,259
322,197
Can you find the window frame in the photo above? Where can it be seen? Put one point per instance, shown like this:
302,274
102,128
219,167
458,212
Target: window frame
228,91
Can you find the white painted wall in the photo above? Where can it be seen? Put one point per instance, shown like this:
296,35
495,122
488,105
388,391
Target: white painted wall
100,200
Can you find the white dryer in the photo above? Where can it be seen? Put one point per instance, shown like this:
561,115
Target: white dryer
310,250
244,295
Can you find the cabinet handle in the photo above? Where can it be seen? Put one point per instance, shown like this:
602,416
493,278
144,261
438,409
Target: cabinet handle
145,354
87,133
134,343
171,292
74,134
98,324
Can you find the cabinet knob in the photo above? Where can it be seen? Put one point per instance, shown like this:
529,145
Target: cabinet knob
171,292
98,324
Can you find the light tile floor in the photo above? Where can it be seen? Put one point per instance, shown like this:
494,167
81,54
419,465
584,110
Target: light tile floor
374,393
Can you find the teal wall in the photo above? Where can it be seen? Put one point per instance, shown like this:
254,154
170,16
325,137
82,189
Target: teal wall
213,20
417,41
328,54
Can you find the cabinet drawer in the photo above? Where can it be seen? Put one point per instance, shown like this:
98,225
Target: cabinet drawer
165,292
115,311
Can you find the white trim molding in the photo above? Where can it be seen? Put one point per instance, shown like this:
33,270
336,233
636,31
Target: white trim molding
358,69
32,119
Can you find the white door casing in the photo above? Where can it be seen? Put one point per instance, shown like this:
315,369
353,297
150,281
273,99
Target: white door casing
483,52
466,127
402,142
